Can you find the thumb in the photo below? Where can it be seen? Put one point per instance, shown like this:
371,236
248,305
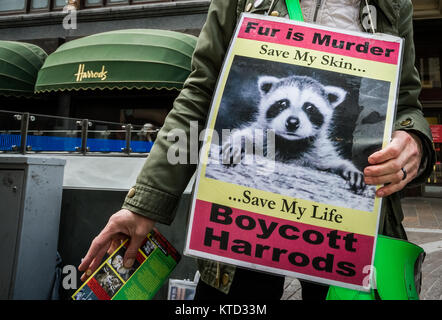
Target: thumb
132,250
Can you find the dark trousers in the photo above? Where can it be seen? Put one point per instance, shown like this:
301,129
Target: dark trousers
253,285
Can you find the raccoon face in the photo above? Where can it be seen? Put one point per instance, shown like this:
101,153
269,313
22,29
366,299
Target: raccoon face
297,107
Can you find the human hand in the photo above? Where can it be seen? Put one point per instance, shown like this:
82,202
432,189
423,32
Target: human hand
404,151
122,225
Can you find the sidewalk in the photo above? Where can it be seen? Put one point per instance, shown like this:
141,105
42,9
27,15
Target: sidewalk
423,223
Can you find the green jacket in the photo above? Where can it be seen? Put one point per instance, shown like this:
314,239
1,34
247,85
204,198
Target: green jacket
160,184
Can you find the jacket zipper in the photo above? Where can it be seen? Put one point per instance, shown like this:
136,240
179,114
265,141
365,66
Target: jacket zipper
318,6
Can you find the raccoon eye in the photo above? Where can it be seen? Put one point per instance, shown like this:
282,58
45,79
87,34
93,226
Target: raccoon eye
309,107
283,103
276,108
313,113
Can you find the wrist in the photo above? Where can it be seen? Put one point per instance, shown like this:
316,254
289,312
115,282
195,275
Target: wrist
418,141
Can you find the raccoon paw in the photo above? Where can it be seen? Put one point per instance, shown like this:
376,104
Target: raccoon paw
240,146
355,179
232,154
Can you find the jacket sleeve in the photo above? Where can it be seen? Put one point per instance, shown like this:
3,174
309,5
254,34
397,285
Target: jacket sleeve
160,182
409,115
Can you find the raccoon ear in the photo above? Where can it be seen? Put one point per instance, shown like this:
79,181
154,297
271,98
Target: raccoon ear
335,95
265,84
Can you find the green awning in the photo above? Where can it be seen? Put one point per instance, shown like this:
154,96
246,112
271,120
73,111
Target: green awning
123,59
19,66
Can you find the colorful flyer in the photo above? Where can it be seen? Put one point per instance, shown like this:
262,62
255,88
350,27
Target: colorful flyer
154,262
297,110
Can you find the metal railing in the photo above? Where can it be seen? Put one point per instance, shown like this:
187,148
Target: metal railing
25,132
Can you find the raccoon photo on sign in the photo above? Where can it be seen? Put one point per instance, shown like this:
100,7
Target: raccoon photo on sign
292,131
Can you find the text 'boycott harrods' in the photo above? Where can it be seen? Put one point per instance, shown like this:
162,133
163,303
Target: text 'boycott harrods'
237,233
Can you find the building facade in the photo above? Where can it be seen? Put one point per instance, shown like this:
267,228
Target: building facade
50,23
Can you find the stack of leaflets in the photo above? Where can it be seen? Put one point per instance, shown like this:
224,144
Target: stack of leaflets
181,289
155,260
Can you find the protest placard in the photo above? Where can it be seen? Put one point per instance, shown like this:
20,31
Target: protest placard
297,110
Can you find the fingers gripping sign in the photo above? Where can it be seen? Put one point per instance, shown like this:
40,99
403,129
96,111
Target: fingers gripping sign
395,165
122,225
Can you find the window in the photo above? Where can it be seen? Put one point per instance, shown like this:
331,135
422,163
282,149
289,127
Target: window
39,4
429,69
13,5
116,1
144,1
25,6
60,3
93,3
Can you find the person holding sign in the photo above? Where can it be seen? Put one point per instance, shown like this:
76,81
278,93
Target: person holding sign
408,159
